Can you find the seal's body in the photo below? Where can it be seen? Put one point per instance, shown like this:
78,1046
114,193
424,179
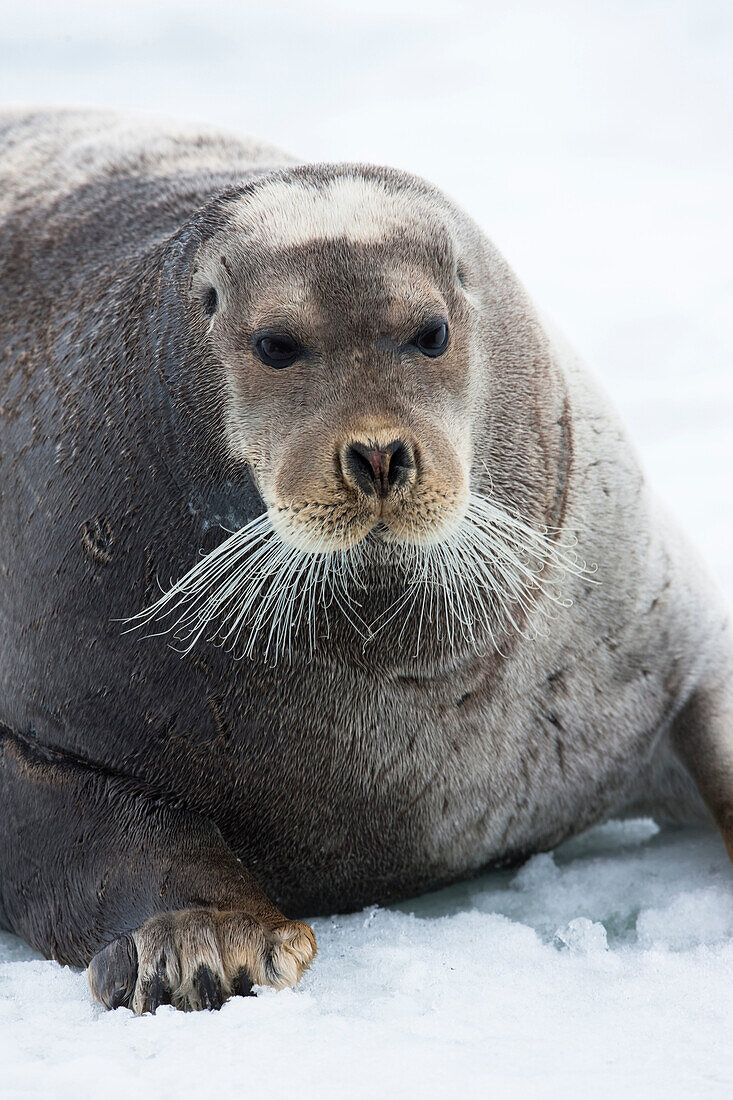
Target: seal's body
328,381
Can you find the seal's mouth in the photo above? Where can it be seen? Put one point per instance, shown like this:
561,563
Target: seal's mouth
323,526
263,597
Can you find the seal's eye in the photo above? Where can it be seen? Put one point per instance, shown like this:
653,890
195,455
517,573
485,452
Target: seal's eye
433,341
277,350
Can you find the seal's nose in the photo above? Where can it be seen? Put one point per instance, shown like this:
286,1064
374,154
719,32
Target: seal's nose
377,469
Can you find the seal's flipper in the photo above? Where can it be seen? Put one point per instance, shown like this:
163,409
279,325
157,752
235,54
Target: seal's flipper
97,870
702,736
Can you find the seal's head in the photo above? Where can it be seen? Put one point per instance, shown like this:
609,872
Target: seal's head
372,347
335,303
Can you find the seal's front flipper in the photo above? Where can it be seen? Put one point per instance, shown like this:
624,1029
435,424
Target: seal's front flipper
98,870
197,958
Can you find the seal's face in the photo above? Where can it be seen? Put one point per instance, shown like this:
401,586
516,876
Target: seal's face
382,381
338,314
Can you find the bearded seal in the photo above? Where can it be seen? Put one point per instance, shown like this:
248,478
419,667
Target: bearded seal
410,608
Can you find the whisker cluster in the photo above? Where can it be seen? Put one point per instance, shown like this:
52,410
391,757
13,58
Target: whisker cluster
494,575
256,594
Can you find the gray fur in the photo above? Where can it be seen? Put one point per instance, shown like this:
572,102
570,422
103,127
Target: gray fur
349,774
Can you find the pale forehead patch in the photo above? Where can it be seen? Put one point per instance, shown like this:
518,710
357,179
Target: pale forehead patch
291,213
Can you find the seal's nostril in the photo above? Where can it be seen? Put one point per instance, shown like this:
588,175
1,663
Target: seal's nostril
358,465
376,470
401,464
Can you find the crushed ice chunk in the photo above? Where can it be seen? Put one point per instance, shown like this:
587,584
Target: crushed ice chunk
582,936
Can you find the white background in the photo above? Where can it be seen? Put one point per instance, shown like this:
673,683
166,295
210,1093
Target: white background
592,141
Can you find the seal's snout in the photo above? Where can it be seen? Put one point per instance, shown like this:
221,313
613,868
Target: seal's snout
412,482
377,470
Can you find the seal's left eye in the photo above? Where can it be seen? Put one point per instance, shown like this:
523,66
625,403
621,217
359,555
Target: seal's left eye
277,350
433,340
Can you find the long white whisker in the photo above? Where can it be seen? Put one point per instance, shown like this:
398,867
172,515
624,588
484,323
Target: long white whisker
255,593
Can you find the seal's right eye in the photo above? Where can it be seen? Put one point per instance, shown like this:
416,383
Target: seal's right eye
277,350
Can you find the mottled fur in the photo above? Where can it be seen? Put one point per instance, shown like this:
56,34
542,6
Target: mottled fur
133,781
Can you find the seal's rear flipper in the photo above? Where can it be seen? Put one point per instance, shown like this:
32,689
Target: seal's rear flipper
702,736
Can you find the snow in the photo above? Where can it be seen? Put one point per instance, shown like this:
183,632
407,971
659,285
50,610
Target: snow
593,143
607,963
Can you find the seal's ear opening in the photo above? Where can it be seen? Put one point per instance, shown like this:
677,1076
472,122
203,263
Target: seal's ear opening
210,301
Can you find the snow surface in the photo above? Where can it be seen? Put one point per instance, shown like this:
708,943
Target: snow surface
593,142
